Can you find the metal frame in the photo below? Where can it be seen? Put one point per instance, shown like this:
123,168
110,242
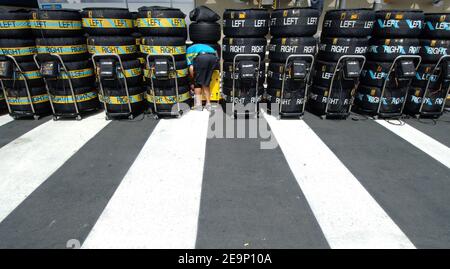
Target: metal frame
157,113
385,80
233,94
13,114
330,89
307,81
109,115
56,116
427,90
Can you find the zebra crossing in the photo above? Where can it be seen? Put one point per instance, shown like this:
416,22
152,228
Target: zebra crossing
171,184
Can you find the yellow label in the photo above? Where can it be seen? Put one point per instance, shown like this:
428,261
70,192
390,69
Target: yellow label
107,23
112,49
121,100
55,24
129,73
62,50
242,15
167,100
14,24
18,101
68,99
155,50
161,23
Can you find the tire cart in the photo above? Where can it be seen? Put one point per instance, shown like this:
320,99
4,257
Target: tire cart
299,70
348,67
163,67
10,69
107,69
248,71
443,68
53,70
403,67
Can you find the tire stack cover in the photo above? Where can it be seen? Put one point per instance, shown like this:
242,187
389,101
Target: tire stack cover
345,32
395,33
112,30
434,43
204,29
16,40
164,31
245,32
292,31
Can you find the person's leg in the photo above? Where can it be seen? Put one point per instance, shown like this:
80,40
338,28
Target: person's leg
197,96
212,60
207,92
197,88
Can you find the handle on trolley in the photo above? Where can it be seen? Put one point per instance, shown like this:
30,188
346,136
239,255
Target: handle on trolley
69,76
27,88
172,58
335,72
307,80
112,55
257,56
427,88
387,77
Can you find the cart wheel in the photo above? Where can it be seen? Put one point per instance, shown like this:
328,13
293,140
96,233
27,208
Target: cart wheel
36,117
279,117
323,117
78,118
107,117
300,117
131,117
55,118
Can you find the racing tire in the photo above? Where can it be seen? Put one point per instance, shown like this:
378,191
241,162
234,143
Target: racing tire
246,22
107,21
294,22
348,23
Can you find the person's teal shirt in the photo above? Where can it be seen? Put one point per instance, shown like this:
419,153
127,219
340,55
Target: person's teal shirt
194,50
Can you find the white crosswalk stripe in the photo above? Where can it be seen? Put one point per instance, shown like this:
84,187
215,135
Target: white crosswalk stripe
347,214
157,203
430,146
30,159
5,119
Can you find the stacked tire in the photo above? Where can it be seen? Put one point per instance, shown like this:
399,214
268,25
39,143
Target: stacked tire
111,30
16,40
434,43
245,31
345,32
164,31
292,32
60,32
205,29
395,33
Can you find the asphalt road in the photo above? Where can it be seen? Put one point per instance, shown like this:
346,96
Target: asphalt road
185,183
